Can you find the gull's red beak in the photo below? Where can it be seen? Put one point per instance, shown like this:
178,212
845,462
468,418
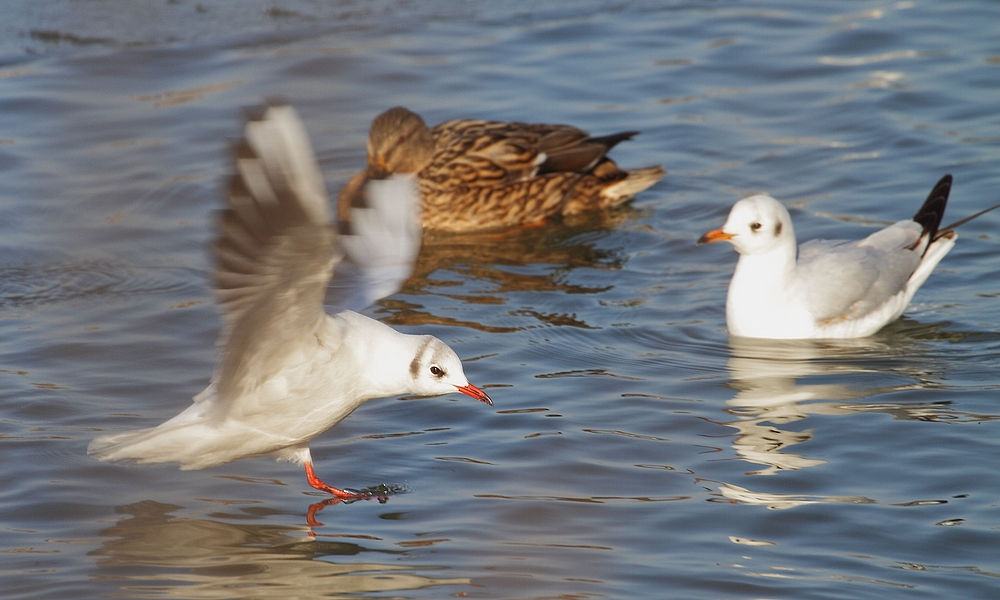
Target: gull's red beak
478,394
716,235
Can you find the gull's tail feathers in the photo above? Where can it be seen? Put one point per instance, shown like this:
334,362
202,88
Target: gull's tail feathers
935,251
942,239
944,231
932,210
192,439
165,443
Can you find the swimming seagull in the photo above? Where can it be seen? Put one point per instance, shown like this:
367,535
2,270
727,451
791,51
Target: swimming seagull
498,174
832,288
287,370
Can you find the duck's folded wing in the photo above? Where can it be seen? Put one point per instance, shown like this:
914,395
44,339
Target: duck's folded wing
380,240
275,251
581,155
489,153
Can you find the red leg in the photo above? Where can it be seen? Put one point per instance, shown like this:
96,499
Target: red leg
339,493
315,508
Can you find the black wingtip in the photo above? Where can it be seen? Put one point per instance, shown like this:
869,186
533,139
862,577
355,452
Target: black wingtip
258,112
240,149
254,113
932,211
275,101
610,141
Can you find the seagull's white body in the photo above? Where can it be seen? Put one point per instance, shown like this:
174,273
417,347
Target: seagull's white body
823,288
831,289
288,371
284,403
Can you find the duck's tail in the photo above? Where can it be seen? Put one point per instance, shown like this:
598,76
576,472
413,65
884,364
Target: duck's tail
635,181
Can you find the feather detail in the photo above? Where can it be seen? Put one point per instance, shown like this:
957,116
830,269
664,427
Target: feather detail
492,174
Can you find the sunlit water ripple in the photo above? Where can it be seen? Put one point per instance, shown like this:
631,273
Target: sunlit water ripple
634,449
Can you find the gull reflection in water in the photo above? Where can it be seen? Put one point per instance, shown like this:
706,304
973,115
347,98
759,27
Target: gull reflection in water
778,382
153,554
742,495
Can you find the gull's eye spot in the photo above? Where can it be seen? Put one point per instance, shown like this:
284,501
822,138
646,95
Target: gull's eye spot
436,371
755,226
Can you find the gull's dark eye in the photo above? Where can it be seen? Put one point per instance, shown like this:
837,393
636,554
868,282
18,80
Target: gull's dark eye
755,226
436,371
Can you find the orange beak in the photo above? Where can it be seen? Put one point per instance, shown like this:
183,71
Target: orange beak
716,235
478,394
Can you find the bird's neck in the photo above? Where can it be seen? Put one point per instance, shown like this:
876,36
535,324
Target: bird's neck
381,356
774,265
759,290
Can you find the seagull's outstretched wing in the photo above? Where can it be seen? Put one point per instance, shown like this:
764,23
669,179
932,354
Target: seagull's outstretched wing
276,251
380,240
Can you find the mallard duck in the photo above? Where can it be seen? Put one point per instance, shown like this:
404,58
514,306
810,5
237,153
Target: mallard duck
492,174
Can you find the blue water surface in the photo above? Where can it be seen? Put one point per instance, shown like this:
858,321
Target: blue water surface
635,450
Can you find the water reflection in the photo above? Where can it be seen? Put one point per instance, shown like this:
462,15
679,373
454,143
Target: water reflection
773,380
735,493
766,376
156,555
31,283
486,268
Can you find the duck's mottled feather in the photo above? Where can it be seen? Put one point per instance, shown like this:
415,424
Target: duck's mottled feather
488,174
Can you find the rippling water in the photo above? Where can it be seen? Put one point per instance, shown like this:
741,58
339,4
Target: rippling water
634,449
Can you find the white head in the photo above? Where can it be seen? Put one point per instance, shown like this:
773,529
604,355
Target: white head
756,225
435,369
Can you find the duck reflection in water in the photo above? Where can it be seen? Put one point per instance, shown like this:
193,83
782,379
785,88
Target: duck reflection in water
486,269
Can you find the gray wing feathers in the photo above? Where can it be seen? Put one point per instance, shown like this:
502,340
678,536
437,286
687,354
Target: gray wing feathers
851,279
288,163
382,245
275,251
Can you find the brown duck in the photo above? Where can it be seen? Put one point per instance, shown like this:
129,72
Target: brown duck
491,175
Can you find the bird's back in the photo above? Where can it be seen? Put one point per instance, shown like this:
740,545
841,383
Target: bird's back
488,174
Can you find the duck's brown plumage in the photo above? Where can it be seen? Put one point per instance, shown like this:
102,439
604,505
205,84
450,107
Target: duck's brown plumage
490,175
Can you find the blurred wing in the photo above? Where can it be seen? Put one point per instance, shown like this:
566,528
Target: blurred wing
275,251
380,242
